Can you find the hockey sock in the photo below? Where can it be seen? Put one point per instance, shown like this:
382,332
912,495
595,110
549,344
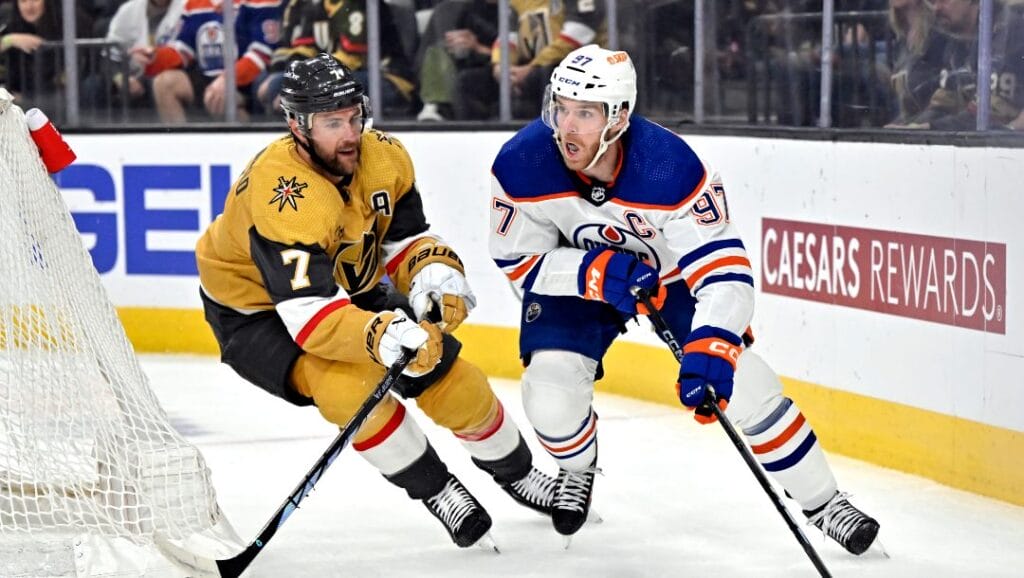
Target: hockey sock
498,437
786,447
424,478
577,451
509,468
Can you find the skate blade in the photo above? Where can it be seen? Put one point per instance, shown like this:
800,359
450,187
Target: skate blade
566,542
486,542
594,518
877,545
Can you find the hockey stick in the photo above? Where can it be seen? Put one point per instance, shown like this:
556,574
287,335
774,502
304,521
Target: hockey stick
711,400
233,567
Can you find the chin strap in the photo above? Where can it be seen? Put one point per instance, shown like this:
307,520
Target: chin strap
603,147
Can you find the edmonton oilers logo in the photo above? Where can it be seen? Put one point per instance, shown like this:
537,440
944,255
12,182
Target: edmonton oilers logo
617,238
532,312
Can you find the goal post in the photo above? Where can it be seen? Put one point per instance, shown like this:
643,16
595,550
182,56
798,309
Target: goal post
94,480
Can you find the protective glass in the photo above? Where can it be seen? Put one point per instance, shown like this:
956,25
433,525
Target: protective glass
573,116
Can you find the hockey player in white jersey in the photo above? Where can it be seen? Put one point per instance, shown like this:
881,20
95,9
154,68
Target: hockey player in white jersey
590,200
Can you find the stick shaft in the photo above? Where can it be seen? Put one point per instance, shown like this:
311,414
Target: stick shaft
233,567
665,333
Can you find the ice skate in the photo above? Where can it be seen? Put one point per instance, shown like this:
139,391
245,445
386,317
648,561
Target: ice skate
572,501
840,520
462,515
536,491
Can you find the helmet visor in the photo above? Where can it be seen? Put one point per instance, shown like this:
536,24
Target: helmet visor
568,117
339,125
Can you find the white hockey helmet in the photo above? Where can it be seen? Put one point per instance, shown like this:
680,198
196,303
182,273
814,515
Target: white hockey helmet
593,74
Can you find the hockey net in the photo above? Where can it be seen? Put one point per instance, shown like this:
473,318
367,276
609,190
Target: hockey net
93,478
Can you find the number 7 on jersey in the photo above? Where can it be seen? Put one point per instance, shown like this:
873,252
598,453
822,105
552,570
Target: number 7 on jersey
508,213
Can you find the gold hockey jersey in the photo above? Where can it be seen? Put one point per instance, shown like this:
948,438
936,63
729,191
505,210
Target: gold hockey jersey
292,240
548,30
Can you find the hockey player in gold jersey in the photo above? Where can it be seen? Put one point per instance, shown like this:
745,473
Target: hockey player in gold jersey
292,286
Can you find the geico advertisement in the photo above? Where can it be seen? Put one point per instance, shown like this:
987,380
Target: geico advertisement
153,199
141,202
959,282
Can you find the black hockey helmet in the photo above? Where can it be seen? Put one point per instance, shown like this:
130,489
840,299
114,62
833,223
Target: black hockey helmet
320,84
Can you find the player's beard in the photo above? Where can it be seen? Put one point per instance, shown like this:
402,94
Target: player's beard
340,162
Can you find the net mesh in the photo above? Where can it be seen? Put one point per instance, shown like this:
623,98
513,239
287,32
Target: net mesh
84,445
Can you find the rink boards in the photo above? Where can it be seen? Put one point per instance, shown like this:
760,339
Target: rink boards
885,292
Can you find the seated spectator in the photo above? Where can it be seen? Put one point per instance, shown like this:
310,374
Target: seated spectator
339,28
859,94
668,69
918,60
548,30
954,104
190,69
33,69
793,52
136,28
459,36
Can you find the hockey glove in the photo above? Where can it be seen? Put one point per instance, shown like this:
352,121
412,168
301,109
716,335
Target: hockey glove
709,358
389,331
608,276
444,287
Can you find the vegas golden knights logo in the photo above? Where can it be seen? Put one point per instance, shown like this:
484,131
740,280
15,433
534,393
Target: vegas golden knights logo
539,33
356,263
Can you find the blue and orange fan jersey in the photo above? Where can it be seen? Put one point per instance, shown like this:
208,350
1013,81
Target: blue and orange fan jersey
200,39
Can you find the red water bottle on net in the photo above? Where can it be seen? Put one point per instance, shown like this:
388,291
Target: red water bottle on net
56,153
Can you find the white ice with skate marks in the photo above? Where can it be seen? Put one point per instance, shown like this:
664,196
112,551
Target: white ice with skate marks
675,497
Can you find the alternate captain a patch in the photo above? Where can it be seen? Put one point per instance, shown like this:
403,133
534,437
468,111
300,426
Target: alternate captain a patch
287,191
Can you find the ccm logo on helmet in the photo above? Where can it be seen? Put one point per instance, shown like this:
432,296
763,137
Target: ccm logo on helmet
567,80
618,57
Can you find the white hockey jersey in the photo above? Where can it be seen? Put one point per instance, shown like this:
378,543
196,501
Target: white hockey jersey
663,206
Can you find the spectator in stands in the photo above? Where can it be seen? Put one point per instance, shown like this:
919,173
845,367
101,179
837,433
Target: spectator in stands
548,30
100,13
793,50
953,106
459,36
136,28
667,73
33,71
859,81
190,69
861,73
918,50
339,28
